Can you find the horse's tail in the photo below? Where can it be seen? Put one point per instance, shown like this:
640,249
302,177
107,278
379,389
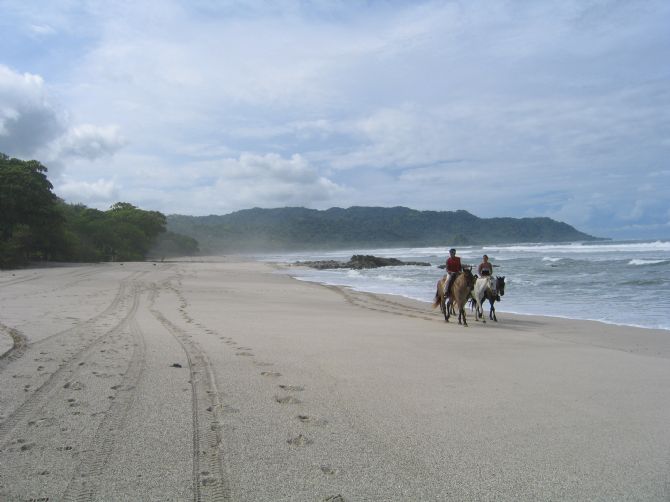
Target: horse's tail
437,299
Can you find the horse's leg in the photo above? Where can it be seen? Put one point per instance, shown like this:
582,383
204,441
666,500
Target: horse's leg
492,312
462,312
445,308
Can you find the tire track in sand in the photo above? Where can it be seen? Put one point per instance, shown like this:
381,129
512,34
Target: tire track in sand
82,486
96,330
371,301
20,343
209,480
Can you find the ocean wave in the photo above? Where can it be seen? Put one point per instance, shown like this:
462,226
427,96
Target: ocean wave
393,278
551,259
638,261
583,247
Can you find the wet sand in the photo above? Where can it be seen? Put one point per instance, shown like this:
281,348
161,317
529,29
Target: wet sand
222,380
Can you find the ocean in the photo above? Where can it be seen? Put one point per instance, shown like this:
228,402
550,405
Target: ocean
617,282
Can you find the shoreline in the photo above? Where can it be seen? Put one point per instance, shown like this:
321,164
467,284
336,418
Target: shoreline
221,378
286,267
7,342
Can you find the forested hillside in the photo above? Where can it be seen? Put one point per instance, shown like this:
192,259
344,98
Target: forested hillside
295,228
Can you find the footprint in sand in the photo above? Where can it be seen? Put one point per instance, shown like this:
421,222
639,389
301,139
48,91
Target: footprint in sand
42,422
74,385
248,354
326,469
299,440
273,374
292,388
306,419
287,400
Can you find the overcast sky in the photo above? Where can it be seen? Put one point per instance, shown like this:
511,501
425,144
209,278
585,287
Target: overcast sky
502,108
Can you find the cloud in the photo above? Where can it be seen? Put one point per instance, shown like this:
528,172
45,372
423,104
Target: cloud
27,120
101,193
30,126
42,29
554,108
91,141
271,180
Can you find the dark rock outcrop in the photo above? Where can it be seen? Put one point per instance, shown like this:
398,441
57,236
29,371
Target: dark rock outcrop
359,261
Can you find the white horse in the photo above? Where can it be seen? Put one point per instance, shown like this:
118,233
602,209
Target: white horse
487,288
483,286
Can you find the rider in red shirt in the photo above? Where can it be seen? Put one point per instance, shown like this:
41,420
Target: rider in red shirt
453,267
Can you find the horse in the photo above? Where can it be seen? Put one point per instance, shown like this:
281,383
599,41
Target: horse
486,288
483,289
460,291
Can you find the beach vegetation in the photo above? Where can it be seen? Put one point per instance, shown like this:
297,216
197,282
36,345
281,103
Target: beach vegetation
36,225
30,223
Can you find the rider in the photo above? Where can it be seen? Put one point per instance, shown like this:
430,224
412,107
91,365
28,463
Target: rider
485,267
453,268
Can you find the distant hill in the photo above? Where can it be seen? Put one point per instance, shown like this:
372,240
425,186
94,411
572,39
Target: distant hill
297,228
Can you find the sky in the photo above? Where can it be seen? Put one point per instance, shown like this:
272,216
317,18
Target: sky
501,108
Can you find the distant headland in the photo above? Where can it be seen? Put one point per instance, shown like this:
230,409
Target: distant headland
298,228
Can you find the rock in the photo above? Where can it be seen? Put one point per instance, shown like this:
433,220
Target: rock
359,261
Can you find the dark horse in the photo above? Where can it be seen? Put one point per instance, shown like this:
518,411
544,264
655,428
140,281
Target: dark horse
461,288
492,295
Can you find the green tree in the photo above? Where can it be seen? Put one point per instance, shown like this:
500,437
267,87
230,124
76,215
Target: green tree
135,230
30,223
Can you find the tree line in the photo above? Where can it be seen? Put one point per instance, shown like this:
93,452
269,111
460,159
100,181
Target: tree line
299,229
36,225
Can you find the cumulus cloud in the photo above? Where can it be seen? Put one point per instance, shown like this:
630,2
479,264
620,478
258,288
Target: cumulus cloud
27,120
91,141
30,126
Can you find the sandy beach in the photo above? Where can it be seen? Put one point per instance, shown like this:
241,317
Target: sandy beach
223,380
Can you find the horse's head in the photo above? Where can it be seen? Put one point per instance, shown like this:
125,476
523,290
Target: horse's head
470,279
500,285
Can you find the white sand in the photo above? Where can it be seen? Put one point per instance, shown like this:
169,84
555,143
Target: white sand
294,391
